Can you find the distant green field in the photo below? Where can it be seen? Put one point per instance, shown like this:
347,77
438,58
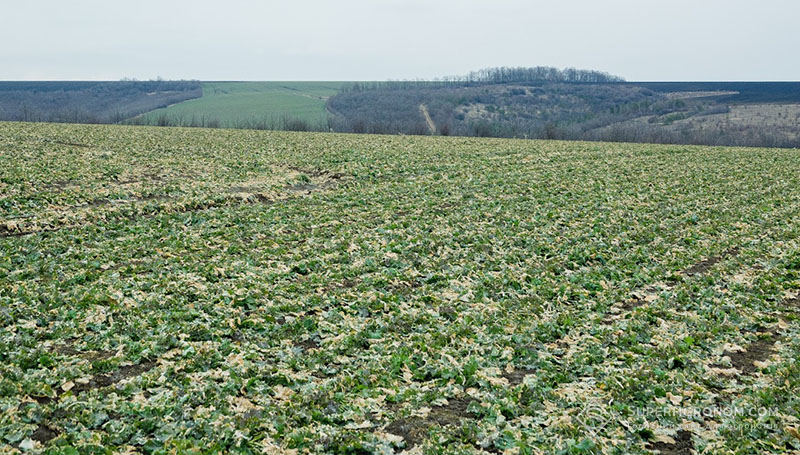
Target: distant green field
238,103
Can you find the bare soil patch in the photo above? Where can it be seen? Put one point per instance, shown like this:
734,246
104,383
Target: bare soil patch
632,304
683,445
103,380
303,187
70,350
704,266
307,344
317,172
414,430
516,377
626,307
58,185
44,434
757,351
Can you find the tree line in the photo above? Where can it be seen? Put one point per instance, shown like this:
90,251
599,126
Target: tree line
498,75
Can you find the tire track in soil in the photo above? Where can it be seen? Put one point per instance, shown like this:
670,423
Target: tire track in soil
697,269
757,351
99,381
744,360
332,180
683,444
635,301
683,441
45,433
763,347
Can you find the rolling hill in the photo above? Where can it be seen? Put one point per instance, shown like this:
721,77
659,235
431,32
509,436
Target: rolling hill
250,104
89,101
539,102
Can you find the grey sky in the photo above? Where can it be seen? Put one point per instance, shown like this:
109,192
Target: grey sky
396,39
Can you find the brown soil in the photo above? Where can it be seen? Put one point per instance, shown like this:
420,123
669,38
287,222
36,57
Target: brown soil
317,172
757,351
73,144
516,376
301,187
69,350
683,445
703,266
414,430
404,287
448,312
100,381
103,380
44,434
307,344
5,231
58,184
632,304
626,307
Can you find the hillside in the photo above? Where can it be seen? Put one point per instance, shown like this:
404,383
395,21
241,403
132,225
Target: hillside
257,105
188,290
538,102
497,110
89,102
746,114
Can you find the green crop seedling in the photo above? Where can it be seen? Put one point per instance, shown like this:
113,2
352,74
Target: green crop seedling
167,290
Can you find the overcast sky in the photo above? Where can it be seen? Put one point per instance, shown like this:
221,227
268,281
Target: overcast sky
396,39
